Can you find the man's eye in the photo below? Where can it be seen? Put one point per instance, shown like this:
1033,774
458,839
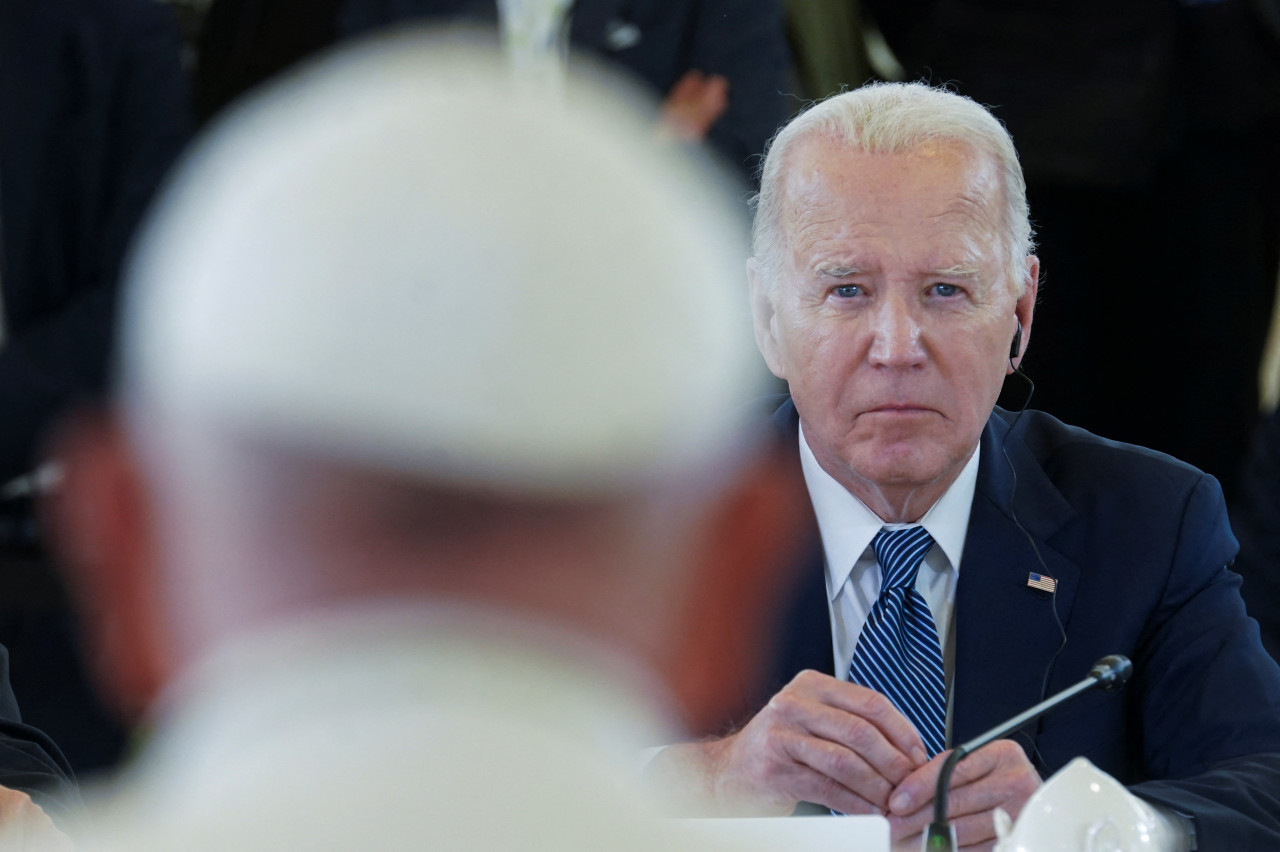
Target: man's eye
848,291
945,290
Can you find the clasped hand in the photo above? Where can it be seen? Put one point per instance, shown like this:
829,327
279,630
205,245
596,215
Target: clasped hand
847,747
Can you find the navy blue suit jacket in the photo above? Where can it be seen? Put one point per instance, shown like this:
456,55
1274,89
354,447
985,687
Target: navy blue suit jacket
1140,545
31,762
93,109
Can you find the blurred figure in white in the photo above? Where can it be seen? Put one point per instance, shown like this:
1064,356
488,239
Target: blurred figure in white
428,497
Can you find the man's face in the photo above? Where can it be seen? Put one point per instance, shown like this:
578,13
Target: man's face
893,315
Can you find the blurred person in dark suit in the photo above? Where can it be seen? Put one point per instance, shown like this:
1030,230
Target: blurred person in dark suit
721,65
93,110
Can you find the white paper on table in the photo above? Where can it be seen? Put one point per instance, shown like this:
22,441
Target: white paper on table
798,834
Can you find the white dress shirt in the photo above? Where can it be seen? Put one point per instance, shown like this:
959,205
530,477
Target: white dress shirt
847,527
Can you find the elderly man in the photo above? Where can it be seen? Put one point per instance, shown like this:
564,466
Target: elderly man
967,561
429,497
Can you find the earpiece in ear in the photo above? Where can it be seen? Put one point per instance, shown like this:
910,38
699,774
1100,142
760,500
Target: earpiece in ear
1015,348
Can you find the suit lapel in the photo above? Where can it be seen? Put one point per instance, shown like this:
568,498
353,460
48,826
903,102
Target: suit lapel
1006,633
806,642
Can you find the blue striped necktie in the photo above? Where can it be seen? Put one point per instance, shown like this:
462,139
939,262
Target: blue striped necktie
898,653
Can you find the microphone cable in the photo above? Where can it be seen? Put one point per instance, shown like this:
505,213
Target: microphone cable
1035,549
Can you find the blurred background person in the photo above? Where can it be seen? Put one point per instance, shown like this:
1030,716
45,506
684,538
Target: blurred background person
720,65
93,109
429,495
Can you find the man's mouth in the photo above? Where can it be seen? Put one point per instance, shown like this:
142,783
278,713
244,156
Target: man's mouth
899,408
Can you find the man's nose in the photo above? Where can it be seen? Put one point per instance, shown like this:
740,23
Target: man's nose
895,336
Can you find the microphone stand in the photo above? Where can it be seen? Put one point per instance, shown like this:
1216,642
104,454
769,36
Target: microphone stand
1109,673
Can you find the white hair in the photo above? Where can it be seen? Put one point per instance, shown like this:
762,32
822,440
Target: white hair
894,118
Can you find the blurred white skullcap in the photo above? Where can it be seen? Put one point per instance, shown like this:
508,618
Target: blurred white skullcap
396,258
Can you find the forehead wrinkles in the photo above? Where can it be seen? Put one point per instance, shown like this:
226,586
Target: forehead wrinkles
966,223
982,207
824,197
983,197
808,205
815,224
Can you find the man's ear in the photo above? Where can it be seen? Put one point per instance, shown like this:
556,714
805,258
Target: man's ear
1026,306
765,318
101,533
741,573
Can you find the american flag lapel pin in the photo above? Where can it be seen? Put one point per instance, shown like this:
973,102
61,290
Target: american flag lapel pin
1042,582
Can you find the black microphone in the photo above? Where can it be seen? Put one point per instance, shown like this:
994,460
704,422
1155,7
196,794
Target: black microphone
1109,673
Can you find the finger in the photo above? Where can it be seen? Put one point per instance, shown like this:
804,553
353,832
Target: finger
987,846
996,775
715,94
1004,771
1008,782
690,82
831,794
843,766
975,828
871,705
910,824
1008,790
1002,755
984,796
862,737
915,792
970,828
809,785
809,690
979,764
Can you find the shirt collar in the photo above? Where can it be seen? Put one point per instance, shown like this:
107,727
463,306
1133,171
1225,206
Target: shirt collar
847,525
